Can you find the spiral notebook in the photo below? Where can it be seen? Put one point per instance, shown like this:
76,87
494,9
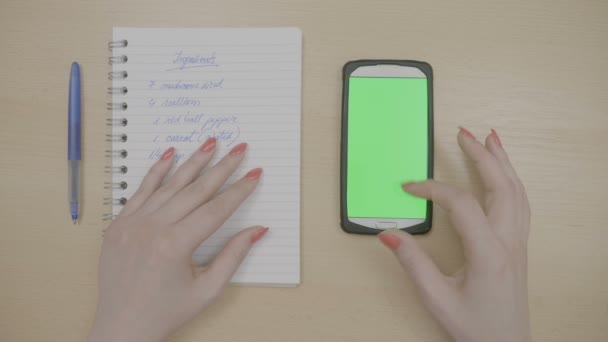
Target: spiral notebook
177,87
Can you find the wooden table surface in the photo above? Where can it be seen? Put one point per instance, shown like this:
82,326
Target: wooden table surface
535,70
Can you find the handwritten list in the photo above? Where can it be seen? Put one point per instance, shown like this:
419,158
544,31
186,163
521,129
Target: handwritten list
237,85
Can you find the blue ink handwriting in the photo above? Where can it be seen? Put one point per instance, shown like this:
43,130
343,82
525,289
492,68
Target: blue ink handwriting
179,119
176,102
184,85
197,136
157,153
192,61
223,128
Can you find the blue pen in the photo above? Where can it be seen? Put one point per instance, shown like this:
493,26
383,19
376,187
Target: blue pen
74,141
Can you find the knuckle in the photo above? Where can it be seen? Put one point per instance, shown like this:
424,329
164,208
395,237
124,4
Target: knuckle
505,189
463,201
180,178
223,169
225,164
234,254
466,197
484,160
245,188
500,261
200,186
212,290
199,159
484,157
502,183
112,234
408,257
523,192
117,235
518,183
519,249
511,186
219,207
165,191
488,163
502,265
165,247
155,173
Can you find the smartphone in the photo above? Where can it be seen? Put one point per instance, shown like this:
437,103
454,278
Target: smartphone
387,139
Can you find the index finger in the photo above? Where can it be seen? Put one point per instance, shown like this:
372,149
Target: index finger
464,212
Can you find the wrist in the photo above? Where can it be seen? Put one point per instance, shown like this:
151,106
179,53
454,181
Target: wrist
119,331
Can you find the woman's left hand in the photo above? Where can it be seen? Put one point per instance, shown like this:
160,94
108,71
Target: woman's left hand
148,286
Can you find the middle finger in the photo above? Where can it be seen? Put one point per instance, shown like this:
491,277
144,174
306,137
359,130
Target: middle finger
204,188
184,175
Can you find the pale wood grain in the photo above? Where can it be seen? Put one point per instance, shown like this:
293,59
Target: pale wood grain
534,70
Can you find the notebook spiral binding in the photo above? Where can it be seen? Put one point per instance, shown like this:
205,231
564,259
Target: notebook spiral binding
115,155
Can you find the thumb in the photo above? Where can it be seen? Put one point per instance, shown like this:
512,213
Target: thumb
427,277
213,280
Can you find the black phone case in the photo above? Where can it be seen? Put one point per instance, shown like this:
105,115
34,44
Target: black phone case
349,67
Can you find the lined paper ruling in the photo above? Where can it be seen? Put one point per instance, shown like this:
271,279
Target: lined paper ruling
178,87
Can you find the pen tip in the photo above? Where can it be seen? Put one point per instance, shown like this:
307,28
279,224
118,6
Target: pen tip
74,221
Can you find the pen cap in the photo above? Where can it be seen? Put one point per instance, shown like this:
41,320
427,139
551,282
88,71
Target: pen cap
74,114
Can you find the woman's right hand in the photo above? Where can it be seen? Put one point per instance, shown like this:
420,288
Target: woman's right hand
486,300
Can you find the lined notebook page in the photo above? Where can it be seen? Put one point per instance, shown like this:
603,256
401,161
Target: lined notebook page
238,85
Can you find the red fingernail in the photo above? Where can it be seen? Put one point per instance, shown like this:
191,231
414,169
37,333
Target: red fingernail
259,234
209,145
390,240
254,174
496,138
168,153
466,133
240,148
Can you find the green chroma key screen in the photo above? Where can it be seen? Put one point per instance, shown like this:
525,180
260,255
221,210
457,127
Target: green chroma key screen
387,145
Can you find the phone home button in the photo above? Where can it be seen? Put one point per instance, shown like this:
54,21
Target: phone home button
386,225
